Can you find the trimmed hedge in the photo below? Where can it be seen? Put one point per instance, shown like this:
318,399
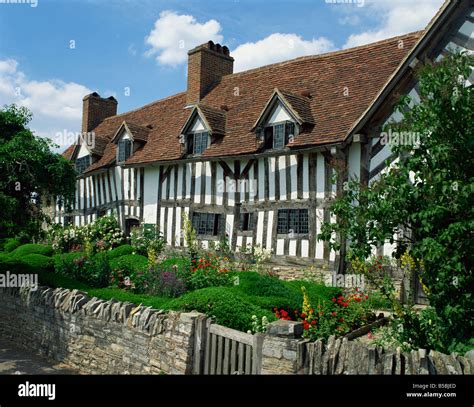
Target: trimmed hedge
32,248
11,244
130,263
38,262
225,305
120,251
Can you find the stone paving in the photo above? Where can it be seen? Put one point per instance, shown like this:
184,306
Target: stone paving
14,360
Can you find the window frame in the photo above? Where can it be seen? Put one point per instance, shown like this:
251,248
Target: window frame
293,221
191,146
122,141
269,140
79,168
247,222
203,227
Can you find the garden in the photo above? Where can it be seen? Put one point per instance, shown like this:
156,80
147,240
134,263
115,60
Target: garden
237,291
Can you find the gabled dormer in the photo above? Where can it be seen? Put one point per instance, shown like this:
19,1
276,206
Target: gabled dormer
203,127
284,117
85,152
128,139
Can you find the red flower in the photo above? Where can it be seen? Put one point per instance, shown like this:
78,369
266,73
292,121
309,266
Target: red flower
303,315
313,322
341,319
334,299
334,314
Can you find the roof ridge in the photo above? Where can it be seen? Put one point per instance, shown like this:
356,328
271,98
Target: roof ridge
325,55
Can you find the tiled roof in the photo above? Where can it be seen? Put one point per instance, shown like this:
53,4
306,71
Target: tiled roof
300,105
214,118
341,86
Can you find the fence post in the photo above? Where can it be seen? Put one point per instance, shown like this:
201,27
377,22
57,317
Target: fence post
257,353
200,338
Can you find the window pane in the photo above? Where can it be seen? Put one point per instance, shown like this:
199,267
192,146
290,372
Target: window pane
200,142
279,136
282,221
82,163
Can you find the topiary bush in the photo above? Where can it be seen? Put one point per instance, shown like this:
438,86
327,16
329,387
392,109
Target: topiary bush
39,262
120,251
32,248
11,244
225,305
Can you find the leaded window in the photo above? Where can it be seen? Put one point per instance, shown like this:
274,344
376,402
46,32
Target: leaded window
278,135
82,163
206,223
124,150
292,221
199,142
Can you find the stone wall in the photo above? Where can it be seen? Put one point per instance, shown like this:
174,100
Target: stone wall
283,353
111,337
96,336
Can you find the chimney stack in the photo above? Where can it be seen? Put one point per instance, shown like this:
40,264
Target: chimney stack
95,109
207,64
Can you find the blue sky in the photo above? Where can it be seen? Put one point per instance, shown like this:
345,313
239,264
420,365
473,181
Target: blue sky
53,54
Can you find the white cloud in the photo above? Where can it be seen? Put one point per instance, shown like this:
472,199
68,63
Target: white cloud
174,34
56,105
276,48
396,17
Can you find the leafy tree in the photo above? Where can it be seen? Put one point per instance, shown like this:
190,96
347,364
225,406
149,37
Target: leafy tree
29,174
426,198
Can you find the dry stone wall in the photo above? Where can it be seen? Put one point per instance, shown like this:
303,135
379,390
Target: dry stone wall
96,336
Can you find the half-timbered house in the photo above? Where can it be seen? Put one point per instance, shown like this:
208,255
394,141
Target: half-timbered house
252,155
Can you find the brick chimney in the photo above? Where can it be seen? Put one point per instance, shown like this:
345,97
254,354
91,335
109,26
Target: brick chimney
95,109
207,64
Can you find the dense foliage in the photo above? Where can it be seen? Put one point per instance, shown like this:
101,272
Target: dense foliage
426,198
29,174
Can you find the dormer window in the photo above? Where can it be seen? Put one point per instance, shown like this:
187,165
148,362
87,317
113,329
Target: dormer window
82,163
198,142
278,135
124,150
283,118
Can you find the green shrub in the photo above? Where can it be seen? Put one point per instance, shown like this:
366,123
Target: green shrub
120,251
96,271
253,283
31,248
225,305
38,262
67,264
11,244
130,263
14,265
182,264
318,293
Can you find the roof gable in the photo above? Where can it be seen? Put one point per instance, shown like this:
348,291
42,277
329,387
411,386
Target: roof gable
212,119
297,106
